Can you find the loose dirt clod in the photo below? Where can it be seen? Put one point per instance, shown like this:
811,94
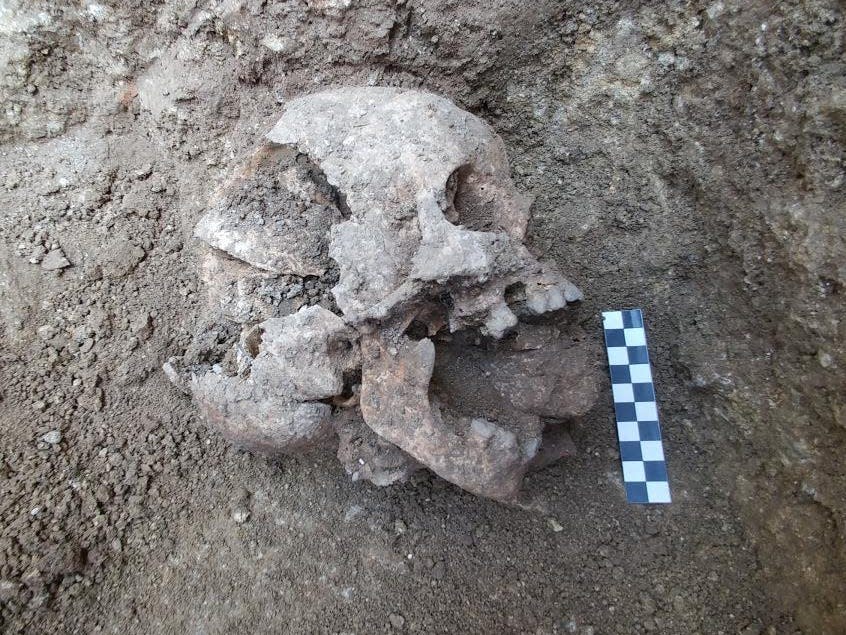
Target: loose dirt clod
424,232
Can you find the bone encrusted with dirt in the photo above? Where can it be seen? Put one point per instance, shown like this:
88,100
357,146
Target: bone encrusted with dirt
407,203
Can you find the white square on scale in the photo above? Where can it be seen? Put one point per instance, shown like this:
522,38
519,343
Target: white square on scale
635,336
651,451
618,355
623,393
612,319
633,472
640,373
646,411
658,492
628,431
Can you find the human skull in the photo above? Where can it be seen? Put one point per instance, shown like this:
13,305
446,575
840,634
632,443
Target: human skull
368,259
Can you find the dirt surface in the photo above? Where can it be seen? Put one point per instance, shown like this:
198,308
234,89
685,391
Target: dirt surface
686,158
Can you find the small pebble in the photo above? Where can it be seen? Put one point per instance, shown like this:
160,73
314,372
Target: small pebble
554,525
396,620
825,359
55,260
53,437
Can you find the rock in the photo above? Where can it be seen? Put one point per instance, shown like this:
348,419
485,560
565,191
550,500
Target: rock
554,525
353,512
37,254
53,437
46,332
55,260
825,359
240,515
277,44
397,621
9,590
294,291
103,494
141,325
666,59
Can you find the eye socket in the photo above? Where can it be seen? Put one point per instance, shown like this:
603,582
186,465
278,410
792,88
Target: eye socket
417,330
340,345
515,293
467,205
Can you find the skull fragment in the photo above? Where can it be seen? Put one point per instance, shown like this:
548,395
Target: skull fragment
370,293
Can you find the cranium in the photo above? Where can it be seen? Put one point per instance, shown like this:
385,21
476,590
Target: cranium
368,259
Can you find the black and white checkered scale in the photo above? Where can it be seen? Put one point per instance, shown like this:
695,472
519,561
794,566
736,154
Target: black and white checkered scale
638,431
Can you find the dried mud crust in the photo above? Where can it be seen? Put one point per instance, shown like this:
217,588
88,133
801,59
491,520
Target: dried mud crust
686,159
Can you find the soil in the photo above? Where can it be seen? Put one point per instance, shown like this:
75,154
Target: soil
686,158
